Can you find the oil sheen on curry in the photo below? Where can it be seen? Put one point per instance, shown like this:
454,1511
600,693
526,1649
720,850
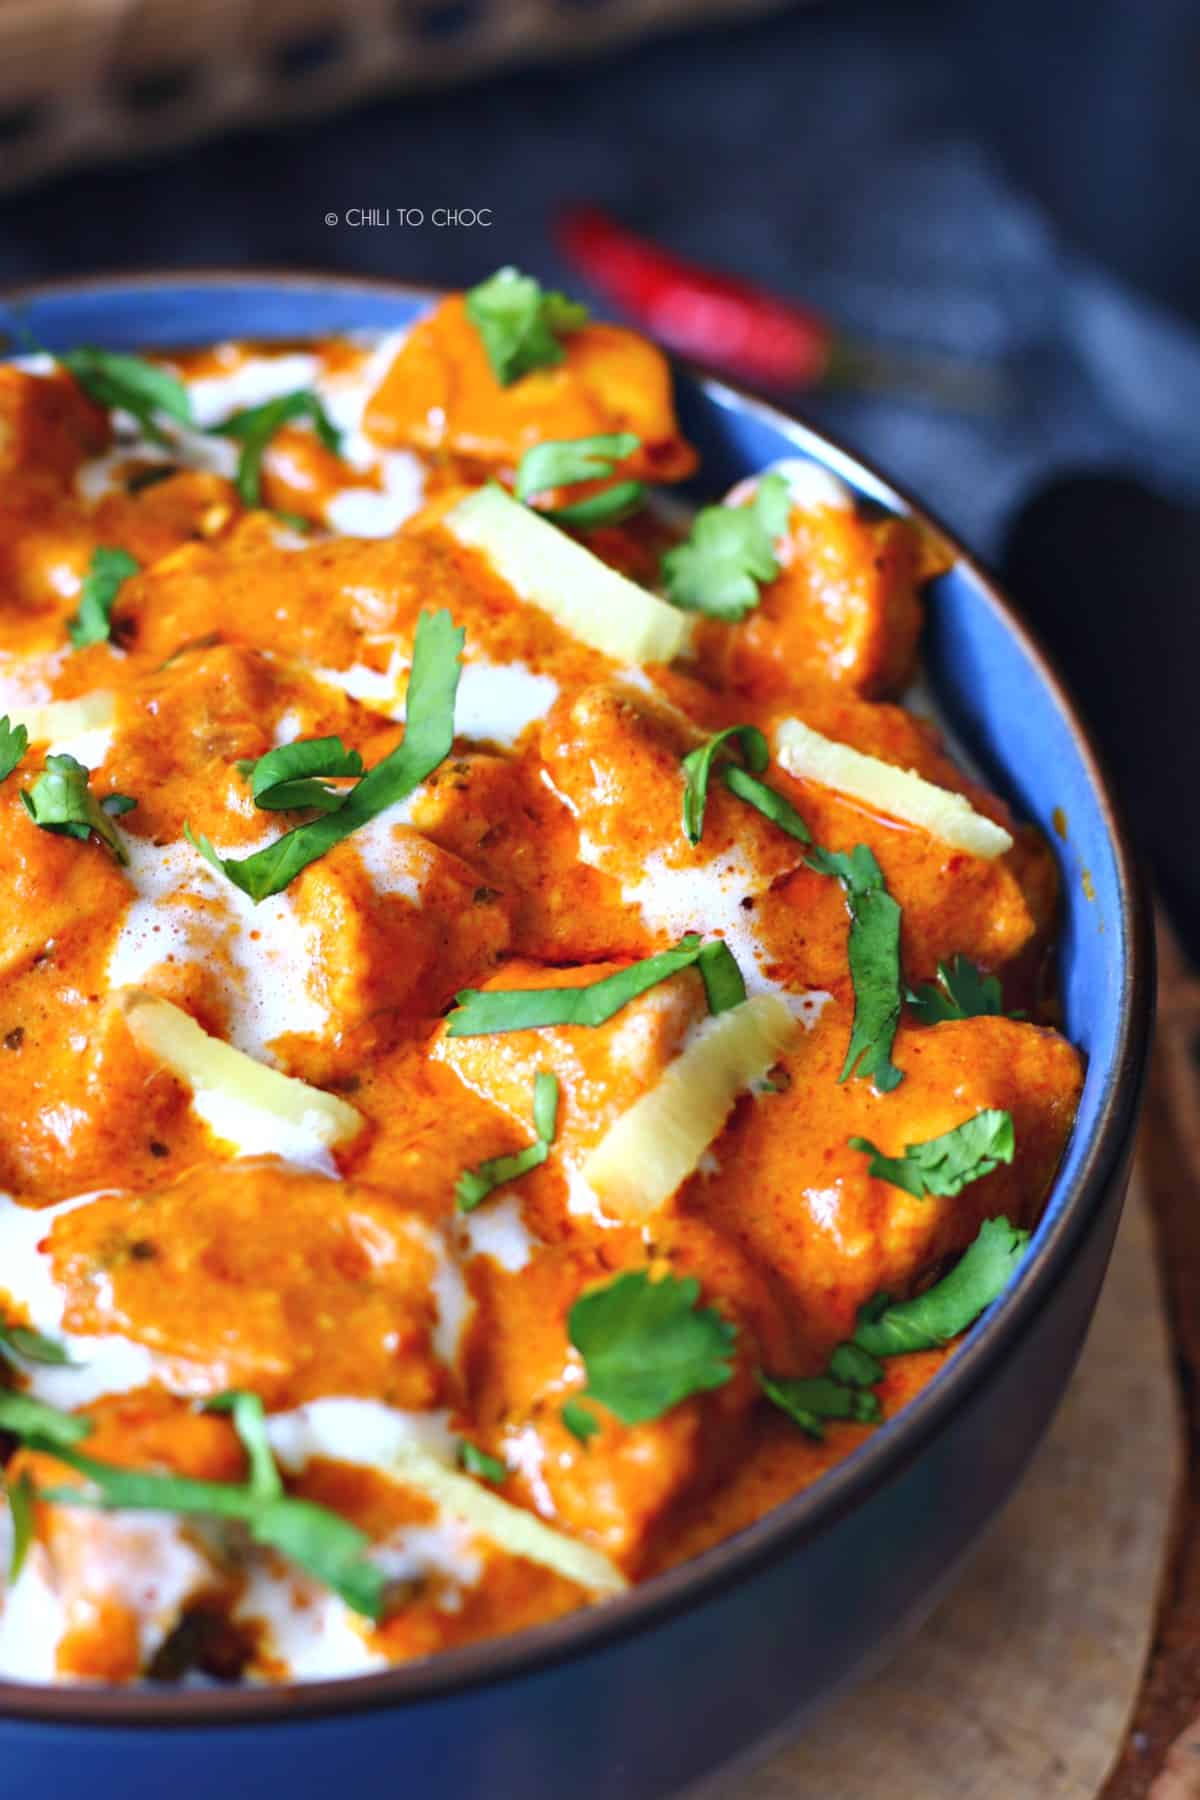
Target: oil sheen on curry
518,1050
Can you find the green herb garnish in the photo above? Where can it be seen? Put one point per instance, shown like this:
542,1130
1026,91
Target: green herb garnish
697,769
647,1345
563,462
30,1346
581,1423
113,379
478,1013
520,323
874,954
14,742
288,777
474,1185
428,739
61,801
960,992
328,1546
20,1496
729,554
946,1165
946,1309
255,426
851,1364
477,1462
810,1401
92,624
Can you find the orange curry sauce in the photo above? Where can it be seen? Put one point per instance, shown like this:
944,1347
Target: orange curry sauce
545,849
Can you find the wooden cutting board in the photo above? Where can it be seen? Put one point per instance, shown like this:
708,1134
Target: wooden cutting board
1022,1684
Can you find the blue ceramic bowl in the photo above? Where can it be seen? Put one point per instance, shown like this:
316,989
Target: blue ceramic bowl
653,1690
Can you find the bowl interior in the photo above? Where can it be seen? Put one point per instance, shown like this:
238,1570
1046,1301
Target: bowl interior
993,686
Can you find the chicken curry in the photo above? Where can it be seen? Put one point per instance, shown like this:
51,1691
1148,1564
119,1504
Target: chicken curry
517,1050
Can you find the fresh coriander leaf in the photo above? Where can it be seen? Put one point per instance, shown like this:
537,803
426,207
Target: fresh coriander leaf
960,992
564,462
428,739
768,802
287,777
646,1345
581,1423
851,1365
30,1346
520,323
116,805
697,767
255,426
952,1304
61,801
20,1495
328,1546
113,379
874,953
477,1462
729,554
474,1185
810,1401
32,1420
246,1412
14,742
92,624
723,983
945,1165
479,1014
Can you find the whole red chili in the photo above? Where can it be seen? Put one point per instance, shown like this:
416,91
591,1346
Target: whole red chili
714,318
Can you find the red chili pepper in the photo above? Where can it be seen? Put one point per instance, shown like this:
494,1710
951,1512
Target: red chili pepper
715,318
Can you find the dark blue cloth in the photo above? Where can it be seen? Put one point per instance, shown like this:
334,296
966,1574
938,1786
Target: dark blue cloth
977,180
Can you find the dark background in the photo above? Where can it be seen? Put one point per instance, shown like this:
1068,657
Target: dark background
1012,182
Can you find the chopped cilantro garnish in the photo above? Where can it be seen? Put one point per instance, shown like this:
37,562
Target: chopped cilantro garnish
960,992
852,1365
874,954
945,1165
428,739
113,379
563,462
288,777
20,1496
61,801
28,1345
697,769
815,1398
581,1423
729,554
520,323
14,742
474,1185
647,1345
931,1319
255,426
479,1013
92,624
477,1462
328,1546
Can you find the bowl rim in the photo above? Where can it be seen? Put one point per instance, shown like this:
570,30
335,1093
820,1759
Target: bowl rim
802,1518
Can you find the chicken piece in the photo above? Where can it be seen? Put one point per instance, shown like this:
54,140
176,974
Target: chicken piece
122,1583
500,816
844,610
619,1491
441,396
47,425
150,519
266,1277
617,761
789,1188
601,1069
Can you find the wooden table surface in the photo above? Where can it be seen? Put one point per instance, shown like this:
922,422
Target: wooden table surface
1161,1759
